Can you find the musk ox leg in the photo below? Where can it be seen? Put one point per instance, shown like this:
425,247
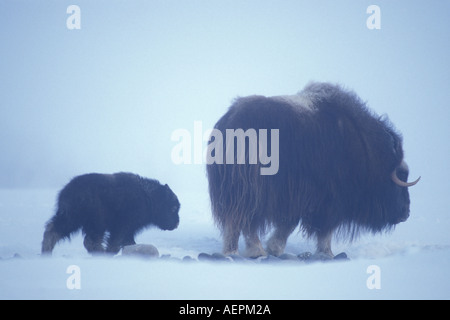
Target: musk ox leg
231,240
323,251
94,243
59,227
277,242
254,248
51,238
116,242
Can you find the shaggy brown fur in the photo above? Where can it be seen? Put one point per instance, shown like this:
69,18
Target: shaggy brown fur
110,208
335,163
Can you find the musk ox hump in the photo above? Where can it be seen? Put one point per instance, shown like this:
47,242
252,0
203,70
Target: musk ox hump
299,101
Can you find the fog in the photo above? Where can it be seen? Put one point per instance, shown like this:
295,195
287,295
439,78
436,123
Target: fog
108,96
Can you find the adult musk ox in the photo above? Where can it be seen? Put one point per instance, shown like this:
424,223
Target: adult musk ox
341,169
110,208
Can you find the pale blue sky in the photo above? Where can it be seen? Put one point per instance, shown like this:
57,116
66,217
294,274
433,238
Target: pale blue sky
107,97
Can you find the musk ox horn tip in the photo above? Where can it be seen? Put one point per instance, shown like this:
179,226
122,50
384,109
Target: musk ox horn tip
401,183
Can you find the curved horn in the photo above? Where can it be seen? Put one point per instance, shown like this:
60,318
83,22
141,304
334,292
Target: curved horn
401,183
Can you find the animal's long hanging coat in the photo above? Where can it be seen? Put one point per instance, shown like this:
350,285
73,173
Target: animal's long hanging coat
340,168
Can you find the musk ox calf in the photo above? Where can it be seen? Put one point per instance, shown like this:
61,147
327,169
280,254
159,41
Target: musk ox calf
340,169
110,208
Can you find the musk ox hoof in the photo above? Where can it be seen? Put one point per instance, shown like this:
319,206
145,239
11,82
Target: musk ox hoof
256,254
140,250
275,247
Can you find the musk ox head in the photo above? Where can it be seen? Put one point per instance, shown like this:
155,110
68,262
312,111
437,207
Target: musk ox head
167,207
399,193
341,168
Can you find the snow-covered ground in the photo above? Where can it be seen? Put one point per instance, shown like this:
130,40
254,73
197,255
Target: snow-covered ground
409,263
109,96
